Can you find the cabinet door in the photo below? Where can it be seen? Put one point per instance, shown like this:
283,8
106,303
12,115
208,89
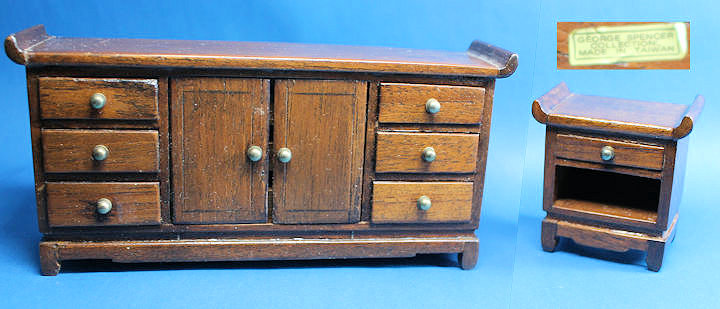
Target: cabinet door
322,123
214,122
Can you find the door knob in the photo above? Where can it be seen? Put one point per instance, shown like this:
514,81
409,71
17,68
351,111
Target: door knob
428,154
424,203
607,153
284,155
254,153
432,106
98,100
103,206
100,152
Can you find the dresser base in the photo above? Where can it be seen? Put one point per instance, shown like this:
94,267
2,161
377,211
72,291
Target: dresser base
607,238
206,250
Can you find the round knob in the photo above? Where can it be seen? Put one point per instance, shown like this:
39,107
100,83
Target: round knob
424,203
432,106
254,153
607,153
98,100
428,154
103,206
100,152
284,155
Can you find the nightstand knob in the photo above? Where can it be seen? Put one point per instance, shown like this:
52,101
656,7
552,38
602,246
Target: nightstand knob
100,152
424,203
254,153
428,154
103,206
98,100
432,106
607,153
284,155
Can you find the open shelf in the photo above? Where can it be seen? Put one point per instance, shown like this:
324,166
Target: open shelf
607,194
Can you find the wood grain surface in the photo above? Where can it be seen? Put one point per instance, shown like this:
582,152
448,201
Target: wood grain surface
323,123
216,121
402,152
70,151
396,202
563,63
626,153
127,99
75,203
405,103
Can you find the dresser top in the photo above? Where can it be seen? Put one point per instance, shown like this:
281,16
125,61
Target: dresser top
34,47
560,107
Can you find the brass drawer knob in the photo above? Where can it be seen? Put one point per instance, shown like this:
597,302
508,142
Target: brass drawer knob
284,155
432,106
98,100
103,206
428,154
607,153
424,203
254,153
100,153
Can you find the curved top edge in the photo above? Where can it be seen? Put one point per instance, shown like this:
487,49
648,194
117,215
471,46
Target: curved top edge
17,45
542,107
506,61
691,115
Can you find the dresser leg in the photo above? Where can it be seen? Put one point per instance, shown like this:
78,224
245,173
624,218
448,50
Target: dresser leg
655,252
468,258
49,263
549,235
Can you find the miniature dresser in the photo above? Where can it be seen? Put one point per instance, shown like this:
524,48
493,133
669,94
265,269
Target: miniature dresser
161,150
614,170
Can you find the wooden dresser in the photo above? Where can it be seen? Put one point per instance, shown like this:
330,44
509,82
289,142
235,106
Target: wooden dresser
614,170
162,150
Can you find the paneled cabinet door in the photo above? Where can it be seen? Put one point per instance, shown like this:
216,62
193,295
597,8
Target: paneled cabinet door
319,139
214,123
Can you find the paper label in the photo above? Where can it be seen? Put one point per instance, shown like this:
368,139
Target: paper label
632,43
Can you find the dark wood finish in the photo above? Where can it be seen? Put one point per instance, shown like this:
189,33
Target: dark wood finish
75,203
205,103
405,103
396,202
563,62
402,152
629,202
35,47
70,151
323,123
215,121
127,99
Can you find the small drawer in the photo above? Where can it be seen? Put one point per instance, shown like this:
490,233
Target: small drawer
89,98
81,151
406,152
608,151
409,103
422,202
102,204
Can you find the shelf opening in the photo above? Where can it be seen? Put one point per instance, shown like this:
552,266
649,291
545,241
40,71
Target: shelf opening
607,193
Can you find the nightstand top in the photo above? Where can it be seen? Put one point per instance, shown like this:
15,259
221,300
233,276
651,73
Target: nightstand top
560,107
34,46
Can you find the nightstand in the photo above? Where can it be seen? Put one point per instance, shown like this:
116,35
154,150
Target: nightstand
614,170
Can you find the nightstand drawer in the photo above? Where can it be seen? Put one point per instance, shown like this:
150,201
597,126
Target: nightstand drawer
431,104
102,204
422,202
78,151
426,152
609,151
89,98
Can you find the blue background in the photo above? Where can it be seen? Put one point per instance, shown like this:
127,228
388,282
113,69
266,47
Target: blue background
512,270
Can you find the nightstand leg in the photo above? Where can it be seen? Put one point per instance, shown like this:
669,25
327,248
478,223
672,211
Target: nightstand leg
655,252
49,264
549,235
468,258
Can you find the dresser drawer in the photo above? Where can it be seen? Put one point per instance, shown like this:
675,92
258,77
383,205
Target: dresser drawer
405,152
73,98
102,204
400,202
616,152
70,151
407,103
